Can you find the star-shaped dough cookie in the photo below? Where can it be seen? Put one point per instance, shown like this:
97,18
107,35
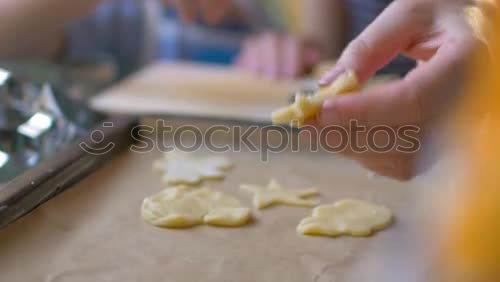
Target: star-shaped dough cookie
274,194
189,168
180,207
346,217
307,106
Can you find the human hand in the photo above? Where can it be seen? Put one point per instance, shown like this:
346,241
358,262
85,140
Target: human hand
278,56
435,32
211,11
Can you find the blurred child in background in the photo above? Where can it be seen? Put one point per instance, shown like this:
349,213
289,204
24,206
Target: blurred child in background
314,31
275,38
133,33
129,33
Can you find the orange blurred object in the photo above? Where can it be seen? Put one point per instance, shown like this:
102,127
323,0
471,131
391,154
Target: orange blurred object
472,236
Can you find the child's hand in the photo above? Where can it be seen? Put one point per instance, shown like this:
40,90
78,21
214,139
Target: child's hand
278,56
435,32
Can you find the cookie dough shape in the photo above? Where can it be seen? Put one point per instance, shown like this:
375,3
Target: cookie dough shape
274,194
189,168
307,106
346,217
180,207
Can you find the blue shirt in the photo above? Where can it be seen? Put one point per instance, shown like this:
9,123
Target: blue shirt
131,33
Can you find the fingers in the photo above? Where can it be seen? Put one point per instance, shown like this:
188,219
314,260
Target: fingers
390,152
422,96
246,59
260,55
390,34
425,94
277,56
292,58
361,142
270,62
402,167
391,104
311,53
298,57
417,99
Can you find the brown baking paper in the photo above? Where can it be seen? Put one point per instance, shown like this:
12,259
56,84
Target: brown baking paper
94,231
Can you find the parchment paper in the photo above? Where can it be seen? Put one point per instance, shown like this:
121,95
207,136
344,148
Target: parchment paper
94,231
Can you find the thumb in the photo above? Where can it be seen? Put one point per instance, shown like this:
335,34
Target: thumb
390,34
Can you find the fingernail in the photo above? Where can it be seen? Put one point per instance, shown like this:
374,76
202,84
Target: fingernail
332,75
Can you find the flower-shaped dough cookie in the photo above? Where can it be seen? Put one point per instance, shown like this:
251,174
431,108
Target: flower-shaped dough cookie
180,208
274,193
189,168
307,106
346,217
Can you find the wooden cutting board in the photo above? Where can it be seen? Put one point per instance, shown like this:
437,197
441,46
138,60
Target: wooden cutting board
194,90
94,231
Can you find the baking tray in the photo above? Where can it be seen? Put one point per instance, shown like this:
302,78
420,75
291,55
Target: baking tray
63,169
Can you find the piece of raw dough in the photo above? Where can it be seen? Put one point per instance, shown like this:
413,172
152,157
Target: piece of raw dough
189,168
180,207
274,193
346,217
307,106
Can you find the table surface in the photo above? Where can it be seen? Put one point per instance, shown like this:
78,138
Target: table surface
196,90
94,231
